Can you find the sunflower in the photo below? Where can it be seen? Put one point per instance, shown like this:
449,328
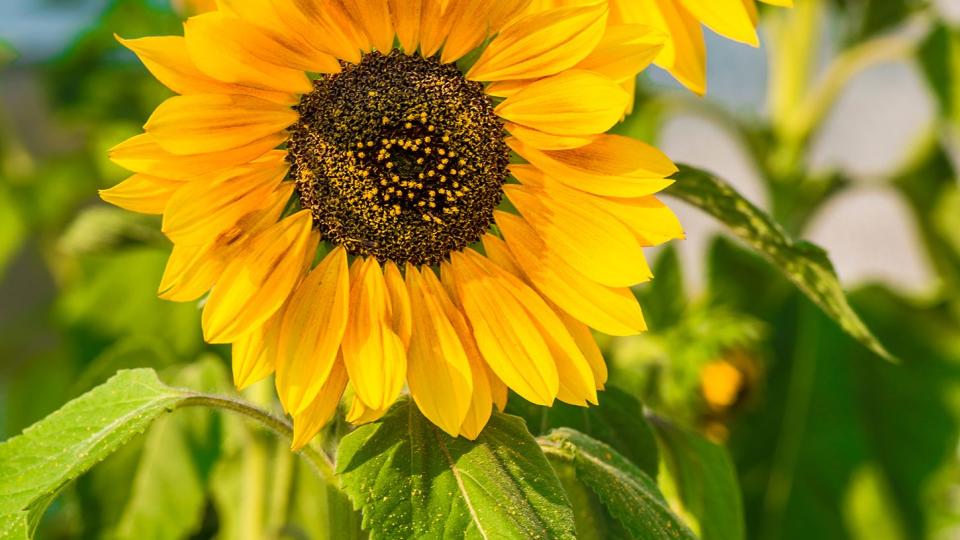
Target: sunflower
402,193
684,53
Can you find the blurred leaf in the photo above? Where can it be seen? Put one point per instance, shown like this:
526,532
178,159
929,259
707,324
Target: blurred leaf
34,466
665,299
14,526
171,477
320,511
628,493
706,482
939,56
138,351
869,508
7,54
115,296
618,421
592,519
12,229
413,480
803,263
103,228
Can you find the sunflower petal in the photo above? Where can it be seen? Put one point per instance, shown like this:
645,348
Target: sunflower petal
468,28
402,318
728,18
548,141
191,271
588,346
541,44
373,352
201,210
308,423
312,329
438,372
212,123
252,288
359,413
612,165
625,51
141,193
434,26
406,21
591,241
142,154
609,310
373,16
505,333
253,355
572,103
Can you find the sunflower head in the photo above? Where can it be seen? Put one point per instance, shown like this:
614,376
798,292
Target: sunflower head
390,194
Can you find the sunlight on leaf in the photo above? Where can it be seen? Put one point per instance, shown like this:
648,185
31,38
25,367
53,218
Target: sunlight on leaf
803,263
628,493
414,481
34,466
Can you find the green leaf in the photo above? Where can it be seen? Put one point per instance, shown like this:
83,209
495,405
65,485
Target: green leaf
172,475
706,481
414,481
35,465
939,55
803,263
629,494
618,420
102,228
14,526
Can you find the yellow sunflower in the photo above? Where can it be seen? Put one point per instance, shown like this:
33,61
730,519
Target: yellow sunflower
359,207
684,53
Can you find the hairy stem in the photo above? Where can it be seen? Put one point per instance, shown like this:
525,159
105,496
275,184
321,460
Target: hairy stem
320,462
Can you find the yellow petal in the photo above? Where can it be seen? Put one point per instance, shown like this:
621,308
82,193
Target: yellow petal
254,354
361,414
573,103
468,28
504,331
252,288
373,352
312,329
212,123
373,17
577,385
167,59
613,311
191,271
728,18
438,372
504,12
325,26
203,209
481,401
406,21
228,50
541,44
506,89
625,51
142,193
612,165
548,141
434,26
591,241
650,220
402,318
588,346
142,154
308,423
498,252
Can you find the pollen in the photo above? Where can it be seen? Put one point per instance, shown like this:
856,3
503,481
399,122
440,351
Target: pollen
371,155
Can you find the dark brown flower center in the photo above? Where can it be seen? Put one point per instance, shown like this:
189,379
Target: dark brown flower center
399,157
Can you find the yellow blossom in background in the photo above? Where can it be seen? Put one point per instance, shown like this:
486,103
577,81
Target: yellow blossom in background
349,229
684,54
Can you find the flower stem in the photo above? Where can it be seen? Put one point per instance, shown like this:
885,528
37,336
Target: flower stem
320,462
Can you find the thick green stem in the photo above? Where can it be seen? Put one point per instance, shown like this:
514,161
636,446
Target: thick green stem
320,462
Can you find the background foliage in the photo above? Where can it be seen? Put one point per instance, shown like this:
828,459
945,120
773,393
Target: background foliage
747,411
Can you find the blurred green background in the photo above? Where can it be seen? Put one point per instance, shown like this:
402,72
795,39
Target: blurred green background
844,125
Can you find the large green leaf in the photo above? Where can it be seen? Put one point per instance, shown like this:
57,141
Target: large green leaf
939,55
803,263
618,420
35,465
414,481
706,482
628,493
